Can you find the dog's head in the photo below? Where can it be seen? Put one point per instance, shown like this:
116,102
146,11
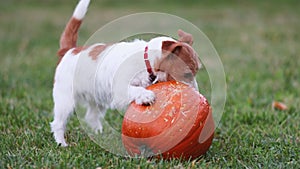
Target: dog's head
179,60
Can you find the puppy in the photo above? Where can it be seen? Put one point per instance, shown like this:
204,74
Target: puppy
110,76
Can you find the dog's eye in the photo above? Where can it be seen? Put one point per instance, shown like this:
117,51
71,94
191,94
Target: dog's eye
156,70
187,75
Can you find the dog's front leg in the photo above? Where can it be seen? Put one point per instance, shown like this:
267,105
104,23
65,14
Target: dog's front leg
141,95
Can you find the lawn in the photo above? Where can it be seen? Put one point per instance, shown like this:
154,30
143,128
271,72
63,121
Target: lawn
258,43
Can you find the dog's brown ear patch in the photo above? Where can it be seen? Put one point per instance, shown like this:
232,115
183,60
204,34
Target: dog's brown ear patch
178,55
185,37
171,47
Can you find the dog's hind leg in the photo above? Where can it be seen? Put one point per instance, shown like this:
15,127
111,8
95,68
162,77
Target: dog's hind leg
93,117
63,107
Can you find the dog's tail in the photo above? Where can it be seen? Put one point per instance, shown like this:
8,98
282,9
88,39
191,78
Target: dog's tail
68,38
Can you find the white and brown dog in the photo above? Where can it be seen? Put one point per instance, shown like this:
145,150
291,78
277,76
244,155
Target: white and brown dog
85,75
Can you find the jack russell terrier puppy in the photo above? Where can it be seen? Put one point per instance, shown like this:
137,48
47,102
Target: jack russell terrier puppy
85,75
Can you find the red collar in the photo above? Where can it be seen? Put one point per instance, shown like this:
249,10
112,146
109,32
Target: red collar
152,77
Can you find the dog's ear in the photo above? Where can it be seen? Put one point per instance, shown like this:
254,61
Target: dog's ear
185,37
171,47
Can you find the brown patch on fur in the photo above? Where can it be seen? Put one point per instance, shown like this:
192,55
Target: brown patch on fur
94,53
68,38
79,49
178,60
74,52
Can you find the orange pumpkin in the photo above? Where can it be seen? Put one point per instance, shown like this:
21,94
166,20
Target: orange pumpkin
178,125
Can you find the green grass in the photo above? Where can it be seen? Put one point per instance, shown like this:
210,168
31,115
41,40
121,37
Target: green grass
258,43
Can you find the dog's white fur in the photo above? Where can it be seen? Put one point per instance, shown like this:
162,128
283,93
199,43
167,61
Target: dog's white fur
111,81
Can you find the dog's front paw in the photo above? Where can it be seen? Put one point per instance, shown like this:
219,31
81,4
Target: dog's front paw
141,95
146,97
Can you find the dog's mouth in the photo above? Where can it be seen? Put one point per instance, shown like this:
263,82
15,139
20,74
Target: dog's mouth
186,78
